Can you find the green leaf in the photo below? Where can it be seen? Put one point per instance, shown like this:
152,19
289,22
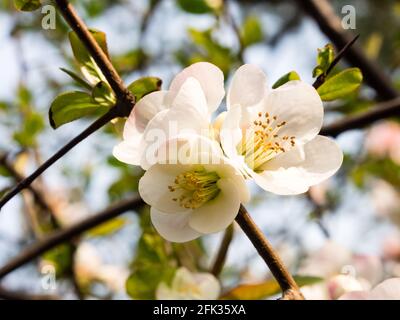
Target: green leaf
324,59
61,258
290,76
251,31
103,94
199,6
211,50
70,106
130,61
77,78
32,126
143,86
107,228
152,264
87,64
264,289
341,84
27,5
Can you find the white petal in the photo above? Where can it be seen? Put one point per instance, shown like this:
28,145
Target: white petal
153,187
210,78
387,290
170,124
300,105
191,95
248,87
295,171
231,133
208,285
173,227
143,112
128,152
163,292
218,213
228,171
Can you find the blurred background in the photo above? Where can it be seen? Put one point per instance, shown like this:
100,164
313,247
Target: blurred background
349,225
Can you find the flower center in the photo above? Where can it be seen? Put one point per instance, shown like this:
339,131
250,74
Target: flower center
195,187
261,142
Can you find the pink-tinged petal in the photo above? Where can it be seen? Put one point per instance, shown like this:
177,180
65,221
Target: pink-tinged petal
295,171
355,295
173,227
142,113
387,290
129,152
211,80
248,87
191,95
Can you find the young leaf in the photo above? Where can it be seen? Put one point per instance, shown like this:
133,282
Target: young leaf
251,31
264,289
77,78
199,6
107,228
88,66
290,76
70,106
103,94
324,59
143,86
27,5
341,84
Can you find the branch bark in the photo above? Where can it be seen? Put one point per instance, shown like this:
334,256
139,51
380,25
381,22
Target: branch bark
125,100
39,198
61,236
18,295
322,12
381,111
290,290
222,251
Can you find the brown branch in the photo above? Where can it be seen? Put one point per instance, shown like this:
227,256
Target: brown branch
125,100
61,236
321,78
25,183
106,67
222,251
290,290
322,12
381,111
18,295
37,195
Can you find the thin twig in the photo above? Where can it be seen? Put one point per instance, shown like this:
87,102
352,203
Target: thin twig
381,111
125,100
290,290
321,78
103,62
19,295
322,12
61,236
25,183
222,251
37,195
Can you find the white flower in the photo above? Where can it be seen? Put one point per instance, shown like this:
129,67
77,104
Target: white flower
89,268
194,94
198,193
387,290
272,134
189,286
